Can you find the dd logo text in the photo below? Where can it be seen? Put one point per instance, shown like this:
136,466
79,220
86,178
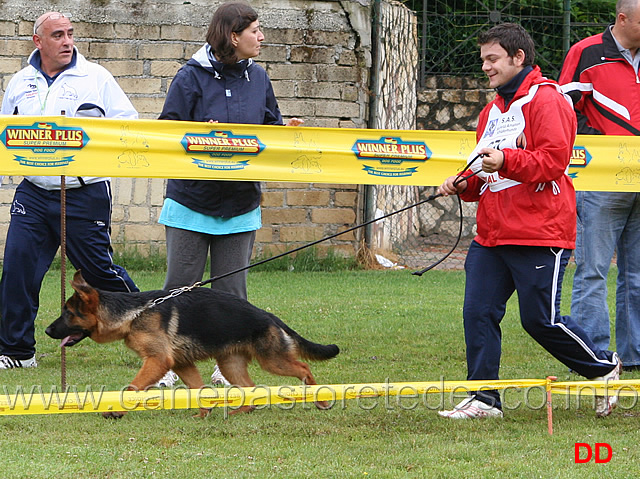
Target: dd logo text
588,452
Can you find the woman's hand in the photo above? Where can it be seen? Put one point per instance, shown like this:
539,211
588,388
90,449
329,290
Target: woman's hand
295,122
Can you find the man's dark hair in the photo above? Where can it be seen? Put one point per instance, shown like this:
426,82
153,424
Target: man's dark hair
229,17
512,37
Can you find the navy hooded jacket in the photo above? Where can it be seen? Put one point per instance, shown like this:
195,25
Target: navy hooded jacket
205,89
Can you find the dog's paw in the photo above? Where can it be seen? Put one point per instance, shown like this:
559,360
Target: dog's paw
323,405
113,414
243,409
202,414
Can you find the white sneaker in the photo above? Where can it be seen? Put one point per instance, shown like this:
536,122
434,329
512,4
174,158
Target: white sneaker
218,379
7,362
168,380
471,408
606,404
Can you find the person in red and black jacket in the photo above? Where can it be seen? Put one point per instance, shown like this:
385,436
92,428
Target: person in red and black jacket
600,74
525,221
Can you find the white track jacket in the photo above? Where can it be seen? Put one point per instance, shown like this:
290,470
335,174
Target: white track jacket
83,83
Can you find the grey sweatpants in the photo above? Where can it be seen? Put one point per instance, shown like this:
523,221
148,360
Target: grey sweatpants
187,253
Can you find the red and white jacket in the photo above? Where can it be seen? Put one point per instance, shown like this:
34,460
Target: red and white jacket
604,87
538,206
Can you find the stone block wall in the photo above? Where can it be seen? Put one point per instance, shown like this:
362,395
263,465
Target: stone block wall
451,103
316,53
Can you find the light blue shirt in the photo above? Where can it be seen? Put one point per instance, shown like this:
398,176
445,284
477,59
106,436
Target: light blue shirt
179,216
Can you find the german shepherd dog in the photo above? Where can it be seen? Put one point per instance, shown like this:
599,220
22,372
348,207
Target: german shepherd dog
198,324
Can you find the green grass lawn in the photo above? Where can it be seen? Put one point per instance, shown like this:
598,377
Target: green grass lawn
390,326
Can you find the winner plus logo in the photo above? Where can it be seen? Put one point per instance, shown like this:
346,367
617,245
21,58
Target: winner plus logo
44,141
580,158
219,150
391,153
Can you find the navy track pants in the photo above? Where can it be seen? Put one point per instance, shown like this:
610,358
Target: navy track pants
33,239
492,275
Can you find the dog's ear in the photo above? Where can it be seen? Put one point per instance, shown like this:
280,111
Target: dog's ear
88,295
80,285
78,279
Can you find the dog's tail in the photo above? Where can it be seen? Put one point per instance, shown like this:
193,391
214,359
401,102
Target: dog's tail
315,351
308,349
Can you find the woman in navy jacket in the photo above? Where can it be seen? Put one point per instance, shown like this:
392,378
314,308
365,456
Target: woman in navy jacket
220,83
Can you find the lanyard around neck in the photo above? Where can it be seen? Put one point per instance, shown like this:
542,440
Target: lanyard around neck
43,105
49,80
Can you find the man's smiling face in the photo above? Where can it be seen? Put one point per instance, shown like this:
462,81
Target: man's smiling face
498,65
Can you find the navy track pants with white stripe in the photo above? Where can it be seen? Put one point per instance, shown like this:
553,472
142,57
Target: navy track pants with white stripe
33,239
492,275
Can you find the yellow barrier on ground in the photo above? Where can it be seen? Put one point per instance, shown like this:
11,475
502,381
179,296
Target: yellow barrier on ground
175,149
71,401
629,387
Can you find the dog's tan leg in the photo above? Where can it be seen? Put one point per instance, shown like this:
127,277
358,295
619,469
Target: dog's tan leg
234,368
193,380
153,368
189,375
288,366
310,380
117,414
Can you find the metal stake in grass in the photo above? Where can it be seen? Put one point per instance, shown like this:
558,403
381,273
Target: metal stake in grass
63,271
550,379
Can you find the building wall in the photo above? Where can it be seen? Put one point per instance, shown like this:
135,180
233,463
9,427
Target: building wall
451,103
318,55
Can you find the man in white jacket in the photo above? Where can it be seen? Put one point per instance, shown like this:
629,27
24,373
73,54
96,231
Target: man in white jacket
57,81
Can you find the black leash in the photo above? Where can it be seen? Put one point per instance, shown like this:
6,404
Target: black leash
313,243
177,291
458,180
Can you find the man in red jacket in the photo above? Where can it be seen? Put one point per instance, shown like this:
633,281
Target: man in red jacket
600,73
526,221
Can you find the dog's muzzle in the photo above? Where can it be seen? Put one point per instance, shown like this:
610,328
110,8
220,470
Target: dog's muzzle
69,336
